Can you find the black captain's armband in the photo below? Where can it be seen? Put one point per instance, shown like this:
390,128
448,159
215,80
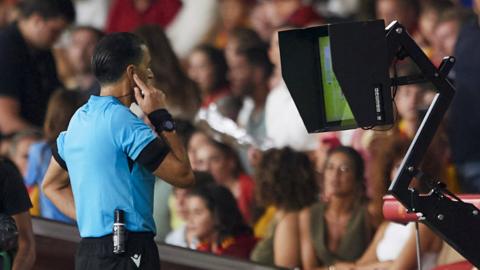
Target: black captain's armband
153,154
57,157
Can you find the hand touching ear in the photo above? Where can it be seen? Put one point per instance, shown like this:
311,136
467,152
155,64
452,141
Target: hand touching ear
148,97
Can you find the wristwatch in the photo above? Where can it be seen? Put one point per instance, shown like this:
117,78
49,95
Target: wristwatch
162,120
168,125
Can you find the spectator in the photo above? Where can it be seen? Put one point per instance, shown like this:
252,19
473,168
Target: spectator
196,141
27,74
241,39
445,32
61,107
183,95
208,68
126,15
14,202
408,102
259,21
249,71
215,220
223,163
341,228
181,236
83,40
405,12
430,12
463,128
285,180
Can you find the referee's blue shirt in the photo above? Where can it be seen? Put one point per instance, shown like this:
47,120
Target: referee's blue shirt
102,140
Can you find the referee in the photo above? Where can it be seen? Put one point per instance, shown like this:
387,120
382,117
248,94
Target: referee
108,158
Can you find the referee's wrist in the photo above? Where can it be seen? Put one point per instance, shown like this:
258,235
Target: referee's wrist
162,120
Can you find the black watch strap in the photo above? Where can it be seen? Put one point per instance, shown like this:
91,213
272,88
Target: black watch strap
162,120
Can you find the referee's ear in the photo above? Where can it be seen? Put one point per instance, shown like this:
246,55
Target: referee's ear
130,72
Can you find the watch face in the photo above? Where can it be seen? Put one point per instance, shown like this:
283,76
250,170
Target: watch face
168,125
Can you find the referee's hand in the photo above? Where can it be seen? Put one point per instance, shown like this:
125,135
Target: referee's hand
148,97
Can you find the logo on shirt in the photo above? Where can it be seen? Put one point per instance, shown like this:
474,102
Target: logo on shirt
136,259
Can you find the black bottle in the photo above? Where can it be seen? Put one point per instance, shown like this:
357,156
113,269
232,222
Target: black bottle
119,232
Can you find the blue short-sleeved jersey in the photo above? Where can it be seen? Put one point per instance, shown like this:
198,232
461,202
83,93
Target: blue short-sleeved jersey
102,140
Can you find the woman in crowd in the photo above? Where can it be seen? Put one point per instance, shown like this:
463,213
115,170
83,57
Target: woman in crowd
208,68
341,228
223,163
181,236
195,142
183,95
285,180
215,220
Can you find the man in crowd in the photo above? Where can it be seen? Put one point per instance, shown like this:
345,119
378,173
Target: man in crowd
113,157
27,74
249,72
80,49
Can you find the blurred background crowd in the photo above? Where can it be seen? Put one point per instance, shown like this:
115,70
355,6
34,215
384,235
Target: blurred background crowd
266,190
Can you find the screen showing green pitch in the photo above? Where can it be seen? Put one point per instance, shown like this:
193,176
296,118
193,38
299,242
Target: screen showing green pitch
337,110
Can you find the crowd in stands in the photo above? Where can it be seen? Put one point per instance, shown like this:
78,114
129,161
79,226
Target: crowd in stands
286,197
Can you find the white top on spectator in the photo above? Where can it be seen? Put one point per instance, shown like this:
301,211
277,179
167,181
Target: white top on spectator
283,122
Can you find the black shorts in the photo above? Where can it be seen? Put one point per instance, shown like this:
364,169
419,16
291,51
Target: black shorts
97,253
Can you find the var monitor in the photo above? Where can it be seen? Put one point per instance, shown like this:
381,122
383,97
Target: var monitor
337,75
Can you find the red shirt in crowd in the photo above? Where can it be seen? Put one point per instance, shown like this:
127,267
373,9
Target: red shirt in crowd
124,17
304,16
239,246
246,197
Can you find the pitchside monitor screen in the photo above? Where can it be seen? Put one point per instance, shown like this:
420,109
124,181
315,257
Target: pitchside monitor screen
337,110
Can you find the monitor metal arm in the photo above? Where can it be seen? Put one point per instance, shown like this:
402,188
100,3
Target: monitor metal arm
457,222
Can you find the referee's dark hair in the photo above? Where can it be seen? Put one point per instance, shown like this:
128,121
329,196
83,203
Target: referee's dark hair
48,9
113,54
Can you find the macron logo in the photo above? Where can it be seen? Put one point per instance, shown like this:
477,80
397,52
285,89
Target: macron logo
136,259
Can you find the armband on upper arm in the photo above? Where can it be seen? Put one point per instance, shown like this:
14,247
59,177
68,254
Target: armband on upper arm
57,156
153,154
